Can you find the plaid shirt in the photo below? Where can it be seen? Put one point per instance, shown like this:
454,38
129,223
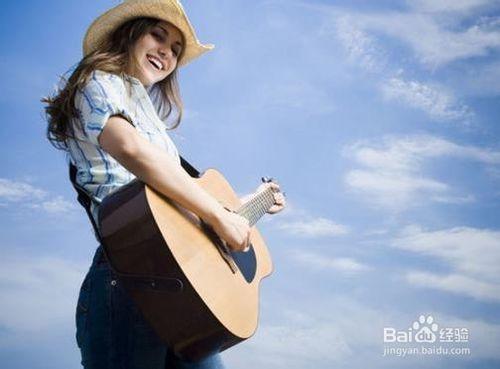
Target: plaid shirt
105,95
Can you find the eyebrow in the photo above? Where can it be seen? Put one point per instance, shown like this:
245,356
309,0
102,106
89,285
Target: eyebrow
176,42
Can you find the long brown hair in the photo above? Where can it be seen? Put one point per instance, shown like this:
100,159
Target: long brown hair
113,56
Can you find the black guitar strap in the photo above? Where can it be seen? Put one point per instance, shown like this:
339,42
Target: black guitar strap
83,197
142,282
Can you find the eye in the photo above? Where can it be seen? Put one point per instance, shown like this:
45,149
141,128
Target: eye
158,35
176,51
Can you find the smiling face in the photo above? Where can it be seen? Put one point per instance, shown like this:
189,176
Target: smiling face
154,55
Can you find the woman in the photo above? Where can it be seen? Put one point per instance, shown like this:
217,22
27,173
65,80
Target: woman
111,117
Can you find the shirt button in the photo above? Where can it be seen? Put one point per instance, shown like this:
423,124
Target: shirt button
113,282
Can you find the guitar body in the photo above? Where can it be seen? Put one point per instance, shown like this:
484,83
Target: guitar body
173,267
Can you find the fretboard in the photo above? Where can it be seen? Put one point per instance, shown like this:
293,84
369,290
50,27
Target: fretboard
255,208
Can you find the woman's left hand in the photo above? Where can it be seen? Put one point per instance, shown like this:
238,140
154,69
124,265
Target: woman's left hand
279,198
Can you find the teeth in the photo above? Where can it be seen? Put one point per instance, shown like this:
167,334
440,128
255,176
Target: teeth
158,64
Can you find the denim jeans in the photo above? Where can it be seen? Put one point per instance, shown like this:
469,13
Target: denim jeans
111,332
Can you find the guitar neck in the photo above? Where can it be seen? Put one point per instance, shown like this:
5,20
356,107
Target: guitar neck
255,208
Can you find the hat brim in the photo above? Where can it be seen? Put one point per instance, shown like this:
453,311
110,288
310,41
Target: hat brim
169,11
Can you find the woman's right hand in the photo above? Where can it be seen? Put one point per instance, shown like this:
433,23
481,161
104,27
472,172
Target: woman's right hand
233,229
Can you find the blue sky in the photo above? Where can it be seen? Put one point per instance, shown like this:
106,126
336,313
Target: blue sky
379,119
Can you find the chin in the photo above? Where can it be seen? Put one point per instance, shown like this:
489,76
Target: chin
149,78
155,78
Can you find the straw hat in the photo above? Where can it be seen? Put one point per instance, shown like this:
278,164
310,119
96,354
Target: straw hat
167,10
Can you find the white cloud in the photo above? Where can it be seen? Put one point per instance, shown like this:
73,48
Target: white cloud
364,50
323,334
472,254
297,341
360,47
18,191
435,101
456,283
484,338
454,199
56,205
447,5
333,331
392,173
469,250
431,29
392,190
314,227
406,153
376,232
427,35
436,33
36,198
316,261
37,293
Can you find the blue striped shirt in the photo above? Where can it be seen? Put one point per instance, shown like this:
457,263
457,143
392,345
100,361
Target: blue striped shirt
103,96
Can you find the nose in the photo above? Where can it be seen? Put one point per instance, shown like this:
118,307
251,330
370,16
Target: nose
165,52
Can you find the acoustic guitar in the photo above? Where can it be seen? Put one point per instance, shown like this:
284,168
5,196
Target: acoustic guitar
199,296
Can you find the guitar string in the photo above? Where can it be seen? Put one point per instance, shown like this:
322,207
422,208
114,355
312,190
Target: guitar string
249,210
254,209
251,206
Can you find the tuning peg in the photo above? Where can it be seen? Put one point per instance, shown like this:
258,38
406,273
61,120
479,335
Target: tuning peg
267,179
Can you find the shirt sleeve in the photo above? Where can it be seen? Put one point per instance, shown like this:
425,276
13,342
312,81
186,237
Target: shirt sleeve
103,96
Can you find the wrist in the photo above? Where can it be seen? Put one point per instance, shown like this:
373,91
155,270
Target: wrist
215,214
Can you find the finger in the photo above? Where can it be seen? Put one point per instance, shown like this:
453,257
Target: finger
247,245
274,185
243,246
279,199
274,209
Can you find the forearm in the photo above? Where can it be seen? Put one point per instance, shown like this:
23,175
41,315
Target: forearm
160,170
